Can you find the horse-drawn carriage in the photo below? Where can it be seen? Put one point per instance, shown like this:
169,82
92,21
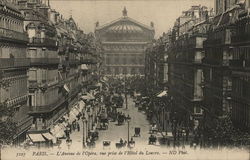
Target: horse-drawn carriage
118,100
91,143
103,121
131,144
113,114
94,135
137,132
153,129
121,119
106,144
137,103
120,145
152,139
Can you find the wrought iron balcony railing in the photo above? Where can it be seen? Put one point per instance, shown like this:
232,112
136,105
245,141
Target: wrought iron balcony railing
88,60
44,61
47,42
239,63
12,35
50,107
14,62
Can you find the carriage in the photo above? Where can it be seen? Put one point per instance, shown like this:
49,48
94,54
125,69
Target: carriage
137,132
118,100
91,143
94,135
104,120
152,139
121,119
106,144
131,144
153,129
120,145
104,123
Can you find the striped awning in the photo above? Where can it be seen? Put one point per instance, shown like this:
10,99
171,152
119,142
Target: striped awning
48,136
36,137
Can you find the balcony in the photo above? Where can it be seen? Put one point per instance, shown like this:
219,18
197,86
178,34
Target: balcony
214,62
14,62
50,107
197,61
241,38
46,108
62,50
239,63
44,61
42,42
73,61
11,35
196,42
88,60
217,38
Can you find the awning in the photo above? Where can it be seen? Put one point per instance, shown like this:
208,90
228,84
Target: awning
66,87
75,111
59,134
163,93
58,131
89,94
84,67
88,97
36,138
48,136
99,84
81,105
137,94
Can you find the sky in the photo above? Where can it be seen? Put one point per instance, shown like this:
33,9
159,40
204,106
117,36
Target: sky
162,12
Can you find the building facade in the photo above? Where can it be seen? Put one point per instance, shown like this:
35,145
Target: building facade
124,42
185,56
239,66
46,61
14,65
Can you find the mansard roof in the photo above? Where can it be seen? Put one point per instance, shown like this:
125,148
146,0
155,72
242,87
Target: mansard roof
124,25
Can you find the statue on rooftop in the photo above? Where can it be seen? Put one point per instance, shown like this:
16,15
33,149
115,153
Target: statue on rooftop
125,12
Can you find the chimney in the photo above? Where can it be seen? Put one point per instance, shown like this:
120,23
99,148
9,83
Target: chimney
152,24
248,6
97,24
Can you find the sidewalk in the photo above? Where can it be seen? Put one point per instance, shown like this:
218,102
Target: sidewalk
76,138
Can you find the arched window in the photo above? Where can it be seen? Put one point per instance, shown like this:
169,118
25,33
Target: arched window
116,70
124,70
132,70
1,22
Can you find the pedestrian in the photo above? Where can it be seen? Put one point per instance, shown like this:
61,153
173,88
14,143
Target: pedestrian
168,142
121,141
187,134
132,140
194,144
73,125
70,128
78,127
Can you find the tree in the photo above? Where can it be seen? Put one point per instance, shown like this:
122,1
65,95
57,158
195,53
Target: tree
8,127
224,131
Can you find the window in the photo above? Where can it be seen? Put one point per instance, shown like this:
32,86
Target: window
125,60
197,110
30,100
210,74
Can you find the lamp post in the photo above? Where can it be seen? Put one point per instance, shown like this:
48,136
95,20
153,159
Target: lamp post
125,92
128,130
84,131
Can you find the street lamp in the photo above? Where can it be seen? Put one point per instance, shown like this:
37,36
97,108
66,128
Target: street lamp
125,92
128,130
84,131
69,142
